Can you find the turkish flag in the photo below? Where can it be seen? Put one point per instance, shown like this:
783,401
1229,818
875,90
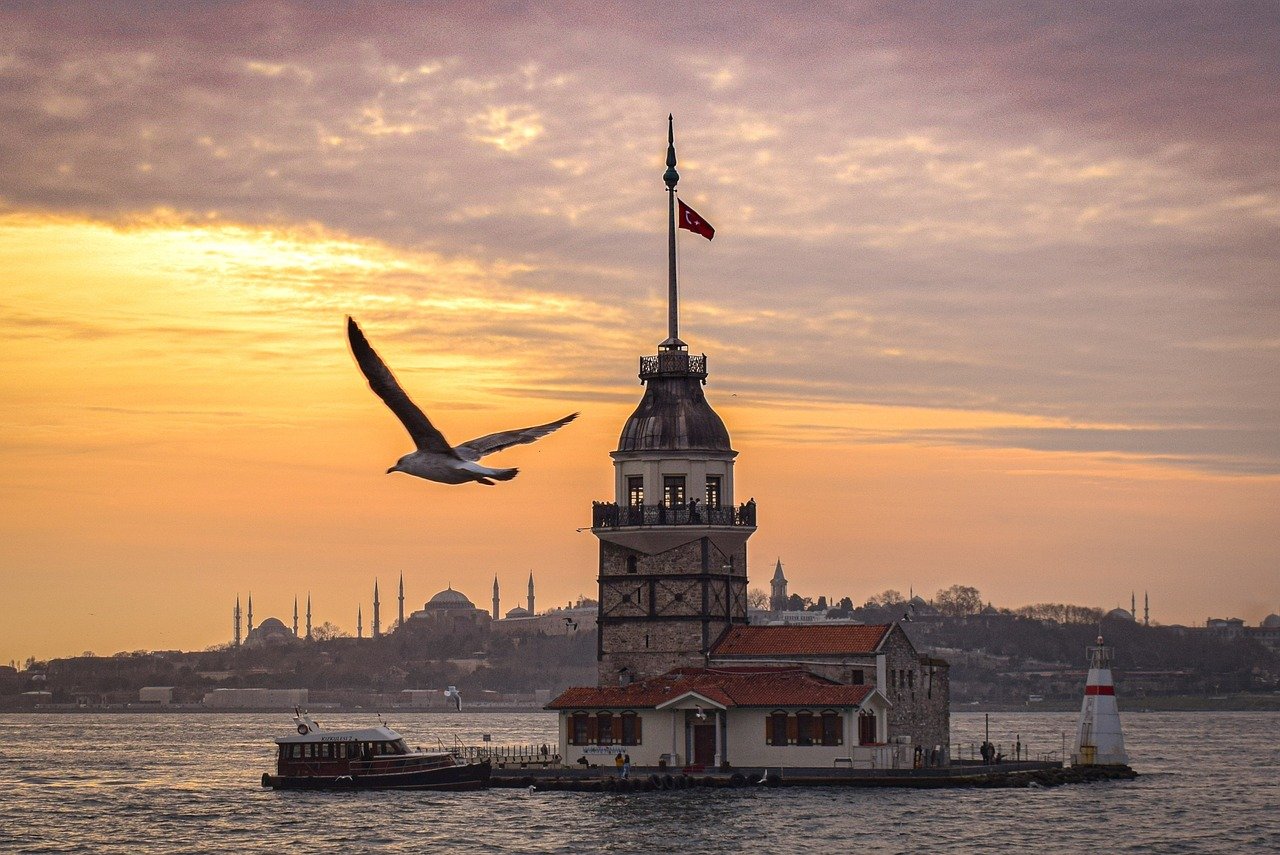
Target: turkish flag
690,220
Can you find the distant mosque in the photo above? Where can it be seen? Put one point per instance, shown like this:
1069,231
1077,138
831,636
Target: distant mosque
449,610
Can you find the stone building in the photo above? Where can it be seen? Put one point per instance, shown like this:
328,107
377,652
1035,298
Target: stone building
881,655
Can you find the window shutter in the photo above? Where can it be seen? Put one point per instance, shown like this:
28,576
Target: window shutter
639,740
791,730
768,730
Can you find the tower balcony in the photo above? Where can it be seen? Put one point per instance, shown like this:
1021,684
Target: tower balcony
610,515
673,363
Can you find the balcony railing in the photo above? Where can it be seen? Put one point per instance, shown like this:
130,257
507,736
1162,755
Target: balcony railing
613,515
673,363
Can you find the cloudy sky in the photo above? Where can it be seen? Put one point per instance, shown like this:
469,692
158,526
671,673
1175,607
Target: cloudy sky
992,298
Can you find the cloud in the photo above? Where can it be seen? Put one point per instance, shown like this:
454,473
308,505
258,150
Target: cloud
1058,211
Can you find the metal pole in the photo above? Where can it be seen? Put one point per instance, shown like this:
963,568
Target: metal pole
670,178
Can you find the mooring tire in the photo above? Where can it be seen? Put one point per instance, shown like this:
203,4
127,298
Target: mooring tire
737,779
668,782
654,782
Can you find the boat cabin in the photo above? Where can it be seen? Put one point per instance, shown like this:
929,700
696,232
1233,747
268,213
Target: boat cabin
344,752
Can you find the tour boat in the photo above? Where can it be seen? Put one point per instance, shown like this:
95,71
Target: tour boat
366,758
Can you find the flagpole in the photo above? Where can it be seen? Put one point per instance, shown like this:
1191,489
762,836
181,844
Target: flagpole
671,177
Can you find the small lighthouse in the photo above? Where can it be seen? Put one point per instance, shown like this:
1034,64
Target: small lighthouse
1098,739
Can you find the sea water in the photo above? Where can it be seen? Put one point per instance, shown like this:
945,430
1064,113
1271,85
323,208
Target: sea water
143,783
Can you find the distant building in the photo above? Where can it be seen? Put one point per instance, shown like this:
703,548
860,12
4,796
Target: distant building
253,698
451,610
270,632
161,695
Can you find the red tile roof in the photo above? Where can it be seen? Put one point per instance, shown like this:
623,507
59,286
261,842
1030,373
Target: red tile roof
838,640
729,687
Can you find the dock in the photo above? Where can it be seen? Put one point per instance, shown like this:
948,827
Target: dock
960,774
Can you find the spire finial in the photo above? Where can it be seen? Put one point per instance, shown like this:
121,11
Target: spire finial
671,177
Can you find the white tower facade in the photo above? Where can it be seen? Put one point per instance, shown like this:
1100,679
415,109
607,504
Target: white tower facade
1099,740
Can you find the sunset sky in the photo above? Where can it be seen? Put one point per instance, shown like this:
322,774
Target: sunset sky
992,298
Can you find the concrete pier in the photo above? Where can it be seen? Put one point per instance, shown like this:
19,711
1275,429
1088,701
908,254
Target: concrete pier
1001,775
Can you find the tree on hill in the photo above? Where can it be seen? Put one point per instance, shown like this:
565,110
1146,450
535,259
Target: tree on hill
958,601
885,600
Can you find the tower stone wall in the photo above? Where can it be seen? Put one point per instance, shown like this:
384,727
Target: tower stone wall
665,609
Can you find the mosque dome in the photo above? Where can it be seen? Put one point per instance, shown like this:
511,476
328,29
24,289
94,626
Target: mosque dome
1271,622
449,599
674,414
518,611
1120,614
272,625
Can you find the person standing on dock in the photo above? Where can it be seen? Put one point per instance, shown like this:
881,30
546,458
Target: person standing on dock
626,765
618,762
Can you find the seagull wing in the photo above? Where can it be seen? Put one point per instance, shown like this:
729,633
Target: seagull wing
474,449
384,385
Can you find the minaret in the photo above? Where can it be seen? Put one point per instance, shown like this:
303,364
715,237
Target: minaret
1099,740
400,610
295,617
377,623
531,611
673,546
308,616
249,628
1146,609
496,614
236,614
1133,605
359,622
778,589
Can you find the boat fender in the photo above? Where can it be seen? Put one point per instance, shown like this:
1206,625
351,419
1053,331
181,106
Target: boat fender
266,779
303,730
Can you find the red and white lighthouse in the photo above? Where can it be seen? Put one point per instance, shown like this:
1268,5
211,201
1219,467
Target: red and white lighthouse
1099,740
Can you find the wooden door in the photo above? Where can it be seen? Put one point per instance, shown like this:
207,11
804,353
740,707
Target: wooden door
704,744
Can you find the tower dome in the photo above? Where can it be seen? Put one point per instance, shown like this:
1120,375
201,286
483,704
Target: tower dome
674,414
1271,622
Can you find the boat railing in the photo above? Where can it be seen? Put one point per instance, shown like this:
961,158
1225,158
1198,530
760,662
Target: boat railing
521,756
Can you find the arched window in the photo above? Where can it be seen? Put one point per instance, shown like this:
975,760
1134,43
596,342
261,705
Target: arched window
832,728
630,728
776,729
804,728
604,728
580,729
867,728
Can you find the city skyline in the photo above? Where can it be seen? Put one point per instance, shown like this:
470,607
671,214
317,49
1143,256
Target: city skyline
991,299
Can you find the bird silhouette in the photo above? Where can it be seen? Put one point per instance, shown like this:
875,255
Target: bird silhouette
435,459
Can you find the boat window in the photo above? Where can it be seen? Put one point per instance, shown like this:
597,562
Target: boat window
400,746
309,750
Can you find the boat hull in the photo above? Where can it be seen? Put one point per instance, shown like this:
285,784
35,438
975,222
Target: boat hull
469,776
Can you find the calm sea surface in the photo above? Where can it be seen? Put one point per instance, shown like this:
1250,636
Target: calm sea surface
1210,782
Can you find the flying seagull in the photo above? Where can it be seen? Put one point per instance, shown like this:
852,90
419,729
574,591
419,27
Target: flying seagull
435,459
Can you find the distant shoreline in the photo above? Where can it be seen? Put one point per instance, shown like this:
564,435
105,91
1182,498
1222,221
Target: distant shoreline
1231,703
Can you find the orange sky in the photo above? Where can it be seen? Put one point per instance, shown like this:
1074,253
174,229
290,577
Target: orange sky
1035,355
